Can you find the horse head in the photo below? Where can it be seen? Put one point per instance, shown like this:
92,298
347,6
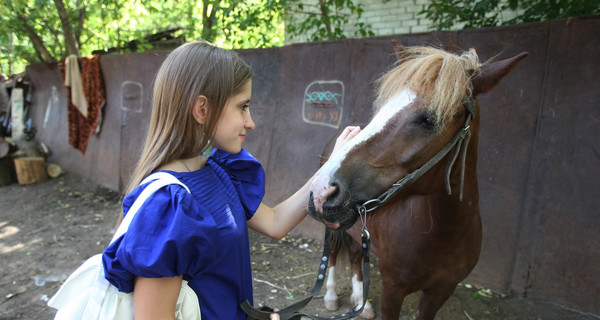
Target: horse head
423,103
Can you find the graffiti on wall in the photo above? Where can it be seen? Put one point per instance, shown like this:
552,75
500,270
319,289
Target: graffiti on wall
53,102
131,96
323,103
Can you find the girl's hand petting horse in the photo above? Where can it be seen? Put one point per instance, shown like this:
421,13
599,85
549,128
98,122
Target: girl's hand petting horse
346,135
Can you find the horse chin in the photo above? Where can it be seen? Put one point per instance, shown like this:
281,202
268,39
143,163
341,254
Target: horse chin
334,217
343,217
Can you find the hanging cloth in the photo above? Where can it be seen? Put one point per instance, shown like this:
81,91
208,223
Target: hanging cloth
81,126
73,80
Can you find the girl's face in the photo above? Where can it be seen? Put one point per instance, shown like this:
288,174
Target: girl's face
235,121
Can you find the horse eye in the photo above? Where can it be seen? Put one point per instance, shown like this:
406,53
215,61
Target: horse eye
428,121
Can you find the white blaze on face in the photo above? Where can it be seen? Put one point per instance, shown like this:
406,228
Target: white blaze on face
320,186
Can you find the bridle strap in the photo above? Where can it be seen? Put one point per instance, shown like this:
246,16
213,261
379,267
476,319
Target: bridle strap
460,140
293,311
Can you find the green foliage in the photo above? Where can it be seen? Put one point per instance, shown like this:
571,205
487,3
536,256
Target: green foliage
31,31
555,9
324,20
15,17
124,25
256,24
472,13
447,14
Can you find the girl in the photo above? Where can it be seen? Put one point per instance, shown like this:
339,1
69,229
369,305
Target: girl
200,102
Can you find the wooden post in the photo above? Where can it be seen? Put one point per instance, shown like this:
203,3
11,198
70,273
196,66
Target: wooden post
31,170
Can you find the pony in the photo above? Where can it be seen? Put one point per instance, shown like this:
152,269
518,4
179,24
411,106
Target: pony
401,177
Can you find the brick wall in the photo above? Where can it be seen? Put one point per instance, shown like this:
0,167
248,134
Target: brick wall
388,18
393,17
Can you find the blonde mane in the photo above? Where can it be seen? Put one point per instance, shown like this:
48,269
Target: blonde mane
441,79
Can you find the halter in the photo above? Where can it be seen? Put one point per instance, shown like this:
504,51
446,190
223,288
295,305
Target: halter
460,140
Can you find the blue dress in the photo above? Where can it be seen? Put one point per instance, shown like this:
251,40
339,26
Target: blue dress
202,236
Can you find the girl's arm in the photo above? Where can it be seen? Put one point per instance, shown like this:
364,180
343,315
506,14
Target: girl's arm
155,298
276,222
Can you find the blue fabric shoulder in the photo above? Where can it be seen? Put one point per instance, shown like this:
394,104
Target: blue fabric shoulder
247,176
169,236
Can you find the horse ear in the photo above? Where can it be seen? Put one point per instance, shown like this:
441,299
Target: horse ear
492,73
398,48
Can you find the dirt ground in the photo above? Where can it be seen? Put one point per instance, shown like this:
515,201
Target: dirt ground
48,229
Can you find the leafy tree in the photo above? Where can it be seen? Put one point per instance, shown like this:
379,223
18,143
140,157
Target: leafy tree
33,31
447,14
555,9
324,19
20,37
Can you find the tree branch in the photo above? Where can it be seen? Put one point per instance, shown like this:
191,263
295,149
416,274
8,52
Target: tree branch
38,44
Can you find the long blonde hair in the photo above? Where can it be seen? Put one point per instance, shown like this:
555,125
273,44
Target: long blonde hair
193,69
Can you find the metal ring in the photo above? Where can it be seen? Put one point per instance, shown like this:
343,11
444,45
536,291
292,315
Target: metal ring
375,201
366,232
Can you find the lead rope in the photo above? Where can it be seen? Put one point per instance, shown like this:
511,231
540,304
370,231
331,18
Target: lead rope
293,311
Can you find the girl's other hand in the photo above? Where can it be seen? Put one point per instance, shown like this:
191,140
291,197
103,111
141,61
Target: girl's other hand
347,135
275,316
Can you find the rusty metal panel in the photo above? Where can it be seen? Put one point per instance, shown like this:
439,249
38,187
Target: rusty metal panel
49,109
130,95
294,155
507,140
50,117
265,102
107,150
561,215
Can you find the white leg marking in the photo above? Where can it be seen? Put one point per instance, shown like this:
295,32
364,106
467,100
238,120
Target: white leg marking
331,298
357,299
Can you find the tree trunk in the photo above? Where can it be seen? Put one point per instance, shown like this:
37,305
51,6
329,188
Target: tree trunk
208,19
70,39
82,12
326,20
38,44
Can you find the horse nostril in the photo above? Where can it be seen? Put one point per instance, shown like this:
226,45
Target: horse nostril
332,194
336,189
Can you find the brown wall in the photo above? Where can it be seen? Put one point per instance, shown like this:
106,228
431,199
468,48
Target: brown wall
539,158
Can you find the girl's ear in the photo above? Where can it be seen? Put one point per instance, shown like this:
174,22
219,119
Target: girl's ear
200,109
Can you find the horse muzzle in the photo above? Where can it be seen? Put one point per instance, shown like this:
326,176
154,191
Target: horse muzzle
332,213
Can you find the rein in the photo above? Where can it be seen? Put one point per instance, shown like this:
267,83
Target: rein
293,311
460,140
